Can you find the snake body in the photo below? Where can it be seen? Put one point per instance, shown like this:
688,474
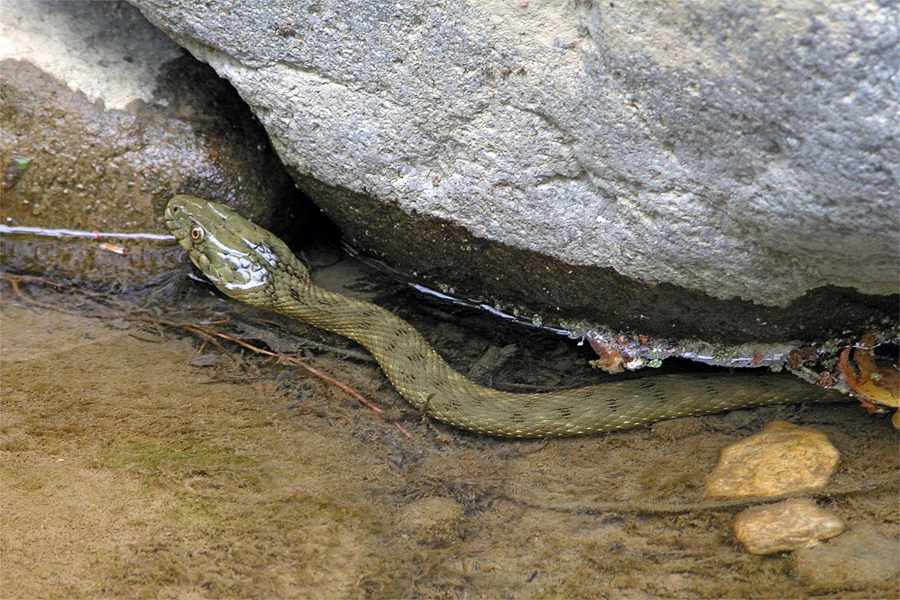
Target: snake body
253,266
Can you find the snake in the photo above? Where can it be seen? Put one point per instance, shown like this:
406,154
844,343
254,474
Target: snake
253,266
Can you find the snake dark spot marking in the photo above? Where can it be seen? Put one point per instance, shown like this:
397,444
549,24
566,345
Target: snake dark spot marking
517,417
564,412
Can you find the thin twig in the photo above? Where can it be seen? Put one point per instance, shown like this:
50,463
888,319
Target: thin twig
345,352
204,332
14,280
299,363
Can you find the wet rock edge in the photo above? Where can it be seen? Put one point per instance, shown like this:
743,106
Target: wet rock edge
444,255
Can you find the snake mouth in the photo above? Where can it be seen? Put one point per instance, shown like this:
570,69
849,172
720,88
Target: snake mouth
174,220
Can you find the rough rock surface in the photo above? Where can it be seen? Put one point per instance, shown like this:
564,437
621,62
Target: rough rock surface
734,152
725,150
789,525
780,459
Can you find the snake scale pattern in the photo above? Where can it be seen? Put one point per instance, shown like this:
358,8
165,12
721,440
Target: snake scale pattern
253,266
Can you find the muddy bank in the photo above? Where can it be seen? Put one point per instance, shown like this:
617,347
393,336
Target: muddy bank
138,461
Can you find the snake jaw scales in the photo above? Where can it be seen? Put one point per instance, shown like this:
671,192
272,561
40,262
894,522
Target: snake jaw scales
252,265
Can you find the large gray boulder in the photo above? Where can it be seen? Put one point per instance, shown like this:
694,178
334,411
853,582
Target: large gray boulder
744,157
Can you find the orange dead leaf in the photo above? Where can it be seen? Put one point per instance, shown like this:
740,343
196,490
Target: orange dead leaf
611,359
873,385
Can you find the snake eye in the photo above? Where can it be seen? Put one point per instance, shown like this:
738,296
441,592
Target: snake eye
197,233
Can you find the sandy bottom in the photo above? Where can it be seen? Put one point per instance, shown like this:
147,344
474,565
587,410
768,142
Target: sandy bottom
136,465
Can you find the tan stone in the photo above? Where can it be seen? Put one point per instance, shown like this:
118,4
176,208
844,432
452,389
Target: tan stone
785,526
780,459
430,512
432,522
864,557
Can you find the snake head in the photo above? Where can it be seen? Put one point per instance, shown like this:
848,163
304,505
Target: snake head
236,255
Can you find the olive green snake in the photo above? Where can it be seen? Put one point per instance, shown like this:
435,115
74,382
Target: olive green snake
253,266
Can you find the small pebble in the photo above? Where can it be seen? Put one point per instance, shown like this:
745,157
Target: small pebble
862,558
780,459
433,521
785,526
428,512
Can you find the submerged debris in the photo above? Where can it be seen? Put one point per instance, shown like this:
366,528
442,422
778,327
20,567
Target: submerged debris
875,387
14,171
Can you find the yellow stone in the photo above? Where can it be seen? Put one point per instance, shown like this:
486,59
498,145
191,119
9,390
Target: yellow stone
780,459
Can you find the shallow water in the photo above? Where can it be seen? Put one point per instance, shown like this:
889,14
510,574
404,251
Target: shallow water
93,259
140,461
